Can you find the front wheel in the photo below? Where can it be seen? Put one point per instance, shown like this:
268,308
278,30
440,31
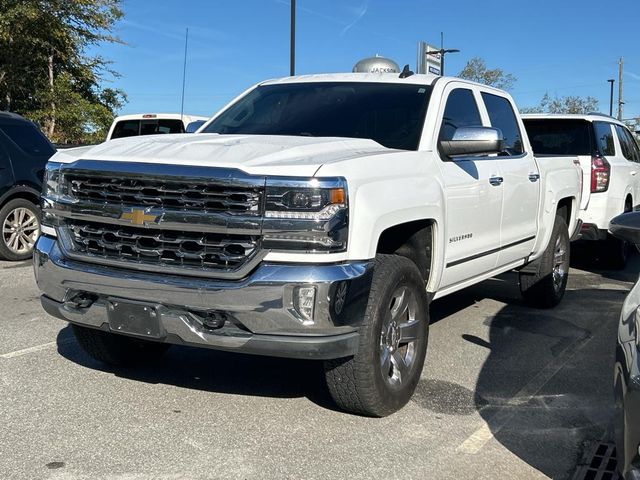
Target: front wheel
545,288
381,378
20,222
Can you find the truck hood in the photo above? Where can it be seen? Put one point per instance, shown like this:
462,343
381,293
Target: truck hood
254,154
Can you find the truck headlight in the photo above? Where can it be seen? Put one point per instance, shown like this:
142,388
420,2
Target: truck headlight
306,214
53,185
54,189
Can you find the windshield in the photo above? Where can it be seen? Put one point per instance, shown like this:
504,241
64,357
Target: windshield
390,114
28,138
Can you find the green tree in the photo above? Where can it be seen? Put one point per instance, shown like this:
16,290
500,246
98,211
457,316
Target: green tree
477,71
45,72
568,104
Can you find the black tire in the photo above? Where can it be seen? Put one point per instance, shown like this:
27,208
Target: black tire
117,350
360,384
9,251
616,252
545,288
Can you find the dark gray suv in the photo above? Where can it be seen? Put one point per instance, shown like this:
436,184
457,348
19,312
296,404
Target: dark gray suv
24,152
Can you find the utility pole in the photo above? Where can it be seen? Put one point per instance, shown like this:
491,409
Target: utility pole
292,59
611,81
620,88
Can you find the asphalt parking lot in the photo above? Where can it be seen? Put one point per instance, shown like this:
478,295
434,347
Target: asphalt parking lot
507,392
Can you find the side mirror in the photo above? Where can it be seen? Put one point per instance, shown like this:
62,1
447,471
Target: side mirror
193,126
626,227
469,141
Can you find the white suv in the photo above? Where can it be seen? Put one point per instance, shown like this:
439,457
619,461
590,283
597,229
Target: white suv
610,160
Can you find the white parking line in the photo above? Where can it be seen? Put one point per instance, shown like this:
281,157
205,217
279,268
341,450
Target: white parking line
37,348
505,413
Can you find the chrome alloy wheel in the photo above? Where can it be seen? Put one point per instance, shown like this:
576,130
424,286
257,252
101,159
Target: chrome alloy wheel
20,230
560,263
399,337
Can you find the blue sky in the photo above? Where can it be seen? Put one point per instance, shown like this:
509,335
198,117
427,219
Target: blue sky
564,47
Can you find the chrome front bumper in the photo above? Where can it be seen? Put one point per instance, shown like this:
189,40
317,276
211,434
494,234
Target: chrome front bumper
258,312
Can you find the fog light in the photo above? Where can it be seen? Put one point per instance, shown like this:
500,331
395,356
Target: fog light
304,301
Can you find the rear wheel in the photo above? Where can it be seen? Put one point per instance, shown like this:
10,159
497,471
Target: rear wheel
117,350
616,252
20,223
381,378
545,288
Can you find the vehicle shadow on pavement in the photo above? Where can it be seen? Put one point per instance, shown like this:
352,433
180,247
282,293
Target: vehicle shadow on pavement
217,371
545,391
589,256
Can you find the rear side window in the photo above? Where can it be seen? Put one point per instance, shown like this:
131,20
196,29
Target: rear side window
604,138
502,116
126,128
461,111
29,139
132,128
628,144
559,136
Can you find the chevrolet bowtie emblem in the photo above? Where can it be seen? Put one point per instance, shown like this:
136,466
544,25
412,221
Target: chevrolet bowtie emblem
138,217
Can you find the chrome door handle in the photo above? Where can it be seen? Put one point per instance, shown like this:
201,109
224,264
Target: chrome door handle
496,181
534,177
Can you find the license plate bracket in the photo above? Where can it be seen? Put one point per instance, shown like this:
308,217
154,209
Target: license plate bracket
134,318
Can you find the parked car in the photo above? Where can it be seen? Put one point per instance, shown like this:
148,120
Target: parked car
153,124
610,160
315,217
627,364
24,152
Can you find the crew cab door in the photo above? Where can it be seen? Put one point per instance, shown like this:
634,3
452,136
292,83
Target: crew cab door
473,196
520,185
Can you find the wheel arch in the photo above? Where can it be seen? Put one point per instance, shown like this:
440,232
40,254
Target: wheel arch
414,240
25,192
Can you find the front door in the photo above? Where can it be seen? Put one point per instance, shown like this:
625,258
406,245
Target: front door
473,197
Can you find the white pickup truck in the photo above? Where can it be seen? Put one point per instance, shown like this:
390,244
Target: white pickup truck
313,217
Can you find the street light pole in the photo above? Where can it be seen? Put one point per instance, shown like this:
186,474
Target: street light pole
292,58
611,81
442,52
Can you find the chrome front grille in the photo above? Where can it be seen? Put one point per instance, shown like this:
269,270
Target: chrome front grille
165,250
167,219
200,194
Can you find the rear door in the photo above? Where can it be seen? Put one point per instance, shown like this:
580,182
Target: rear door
564,136
631,153
521,183
473,204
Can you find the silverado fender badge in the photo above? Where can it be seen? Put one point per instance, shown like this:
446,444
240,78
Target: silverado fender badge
138,216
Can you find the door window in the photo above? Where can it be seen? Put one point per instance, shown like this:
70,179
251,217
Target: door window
604,138
628,144
502,116
461,110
